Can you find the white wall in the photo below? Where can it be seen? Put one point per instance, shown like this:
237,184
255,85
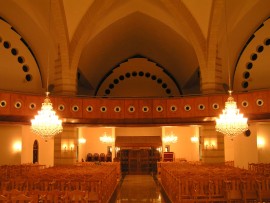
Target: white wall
184,148
10,149
242,149
93,144
46,149
263,142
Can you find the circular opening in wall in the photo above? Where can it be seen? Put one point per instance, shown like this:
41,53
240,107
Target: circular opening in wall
134,73
107,91
249,65
215,106
159,80
115,81
267,41
245,84
28,77
3,103
131,109
147,75
201,107
253,57
32,106
164,85
14,51
154,77
244,103
159,108
168,91
117,109
187,107
121,77
25,68
89,108
260,48
111,86
145,109
246,75
75,108
6,44
128,75
61,107
173,108
20,59
259,102
141,73
103,109
18,105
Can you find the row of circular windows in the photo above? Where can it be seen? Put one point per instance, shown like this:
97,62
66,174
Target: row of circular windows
253,57
135,74
20,59
131,108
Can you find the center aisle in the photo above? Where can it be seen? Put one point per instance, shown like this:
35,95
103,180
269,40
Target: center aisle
139,188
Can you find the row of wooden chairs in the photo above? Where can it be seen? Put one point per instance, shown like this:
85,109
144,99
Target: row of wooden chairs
99,157
185,182
91,182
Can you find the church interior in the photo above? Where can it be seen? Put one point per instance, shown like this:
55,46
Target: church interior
138,88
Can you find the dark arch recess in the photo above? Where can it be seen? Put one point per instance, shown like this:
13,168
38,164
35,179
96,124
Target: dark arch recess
254,56
134,74
139,73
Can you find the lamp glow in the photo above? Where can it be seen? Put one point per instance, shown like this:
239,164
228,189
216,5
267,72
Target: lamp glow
106,139
170,138
231,123
46,124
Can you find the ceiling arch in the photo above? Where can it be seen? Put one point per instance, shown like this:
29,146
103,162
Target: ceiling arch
138,34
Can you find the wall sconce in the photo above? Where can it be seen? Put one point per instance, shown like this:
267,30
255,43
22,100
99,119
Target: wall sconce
159,149
194,139
117,149
71,147
82,140
67,148
210,144
17,146
260,142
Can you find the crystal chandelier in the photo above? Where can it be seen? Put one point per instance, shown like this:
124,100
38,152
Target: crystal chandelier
231,122
106,139
170,138
46,123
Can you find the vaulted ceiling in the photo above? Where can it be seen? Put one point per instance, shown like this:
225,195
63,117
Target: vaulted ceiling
87,40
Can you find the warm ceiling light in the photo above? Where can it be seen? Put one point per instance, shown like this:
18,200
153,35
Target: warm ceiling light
231,122
106,139
46,123
170,138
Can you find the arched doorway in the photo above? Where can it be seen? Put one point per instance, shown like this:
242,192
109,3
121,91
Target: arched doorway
35,152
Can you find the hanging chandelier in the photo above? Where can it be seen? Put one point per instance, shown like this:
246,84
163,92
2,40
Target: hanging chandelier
231,122
106,139
46,124
170,138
